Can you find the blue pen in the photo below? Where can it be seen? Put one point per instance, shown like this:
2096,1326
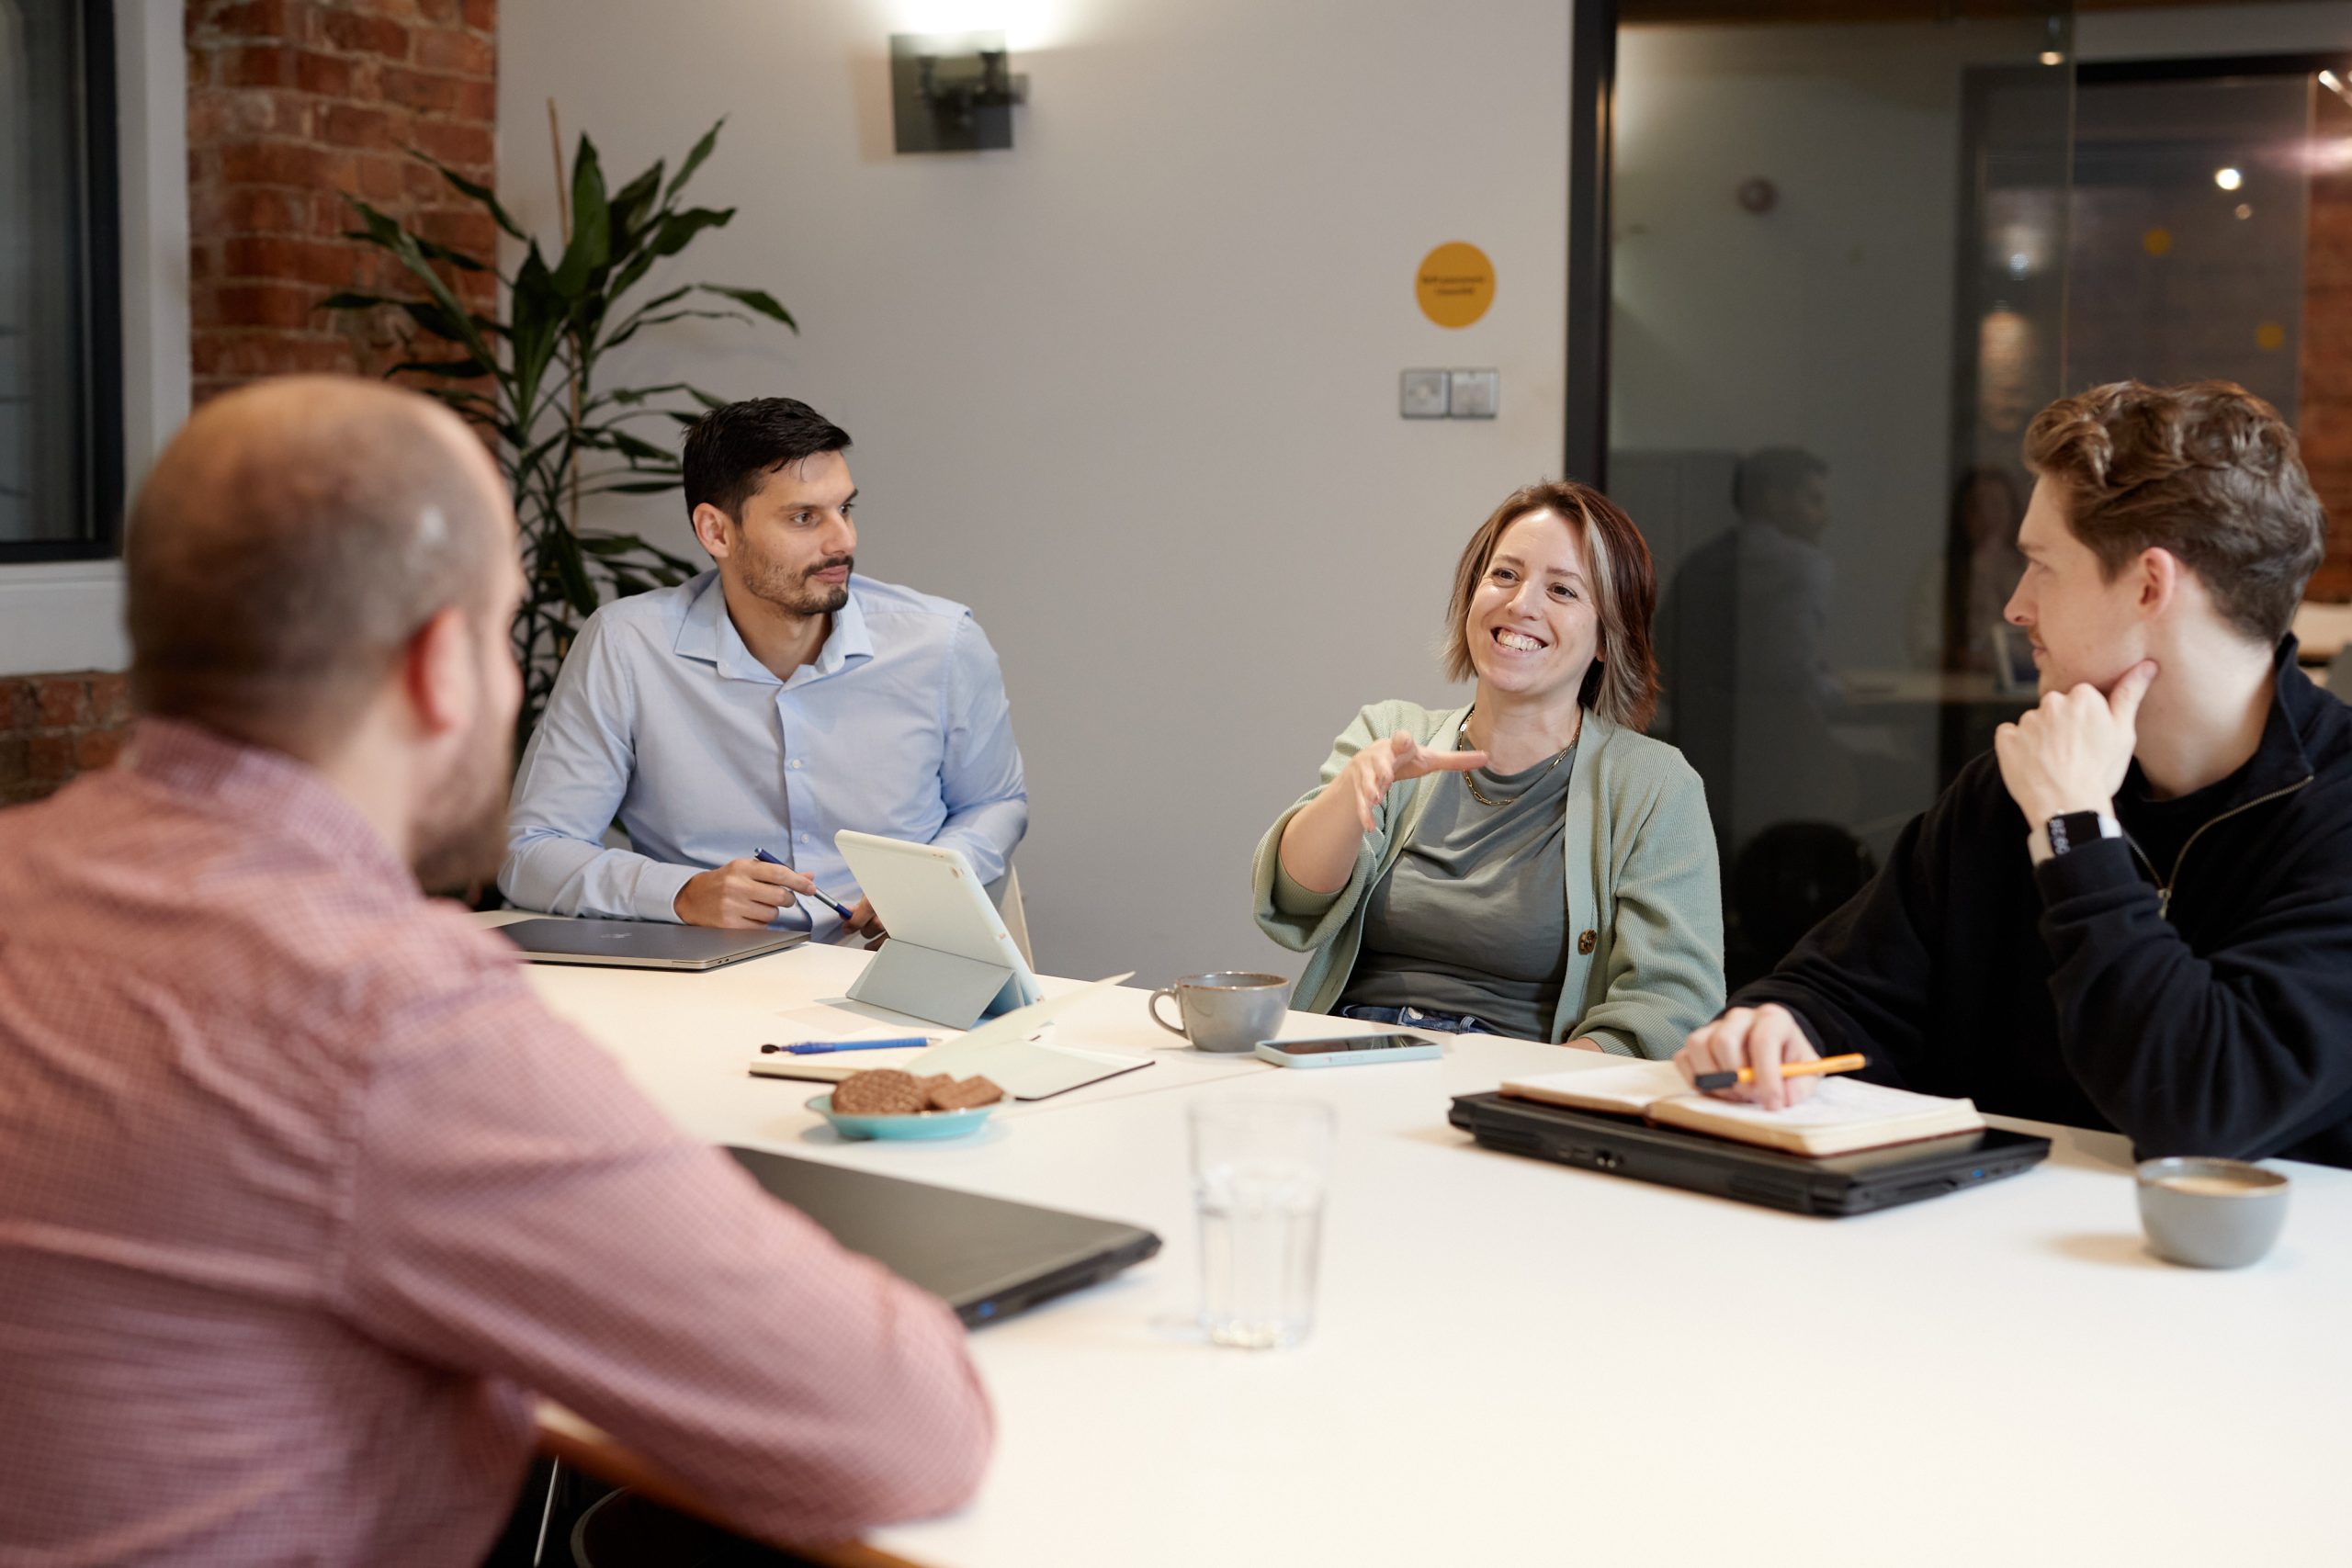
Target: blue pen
823,1047
837,907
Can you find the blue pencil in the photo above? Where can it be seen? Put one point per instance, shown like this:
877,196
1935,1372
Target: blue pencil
824,1047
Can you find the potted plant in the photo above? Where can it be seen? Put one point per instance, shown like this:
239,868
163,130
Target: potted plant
528,380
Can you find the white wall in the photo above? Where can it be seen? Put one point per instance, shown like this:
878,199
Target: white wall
1129,389
68,615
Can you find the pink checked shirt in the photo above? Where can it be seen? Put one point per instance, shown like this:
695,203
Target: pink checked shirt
301,1190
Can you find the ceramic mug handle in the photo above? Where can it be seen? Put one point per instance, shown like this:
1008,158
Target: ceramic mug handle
1152,1007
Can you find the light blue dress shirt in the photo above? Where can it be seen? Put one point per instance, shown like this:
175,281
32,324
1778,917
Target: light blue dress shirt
662,721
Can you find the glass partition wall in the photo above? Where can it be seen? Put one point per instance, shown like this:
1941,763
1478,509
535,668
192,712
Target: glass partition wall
1839,279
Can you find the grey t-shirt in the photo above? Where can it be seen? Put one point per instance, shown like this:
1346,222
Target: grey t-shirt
1473,918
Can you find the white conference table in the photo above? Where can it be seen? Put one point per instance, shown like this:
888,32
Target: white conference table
1515,1361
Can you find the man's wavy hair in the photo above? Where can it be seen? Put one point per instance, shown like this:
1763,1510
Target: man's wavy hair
2206,471
1621,686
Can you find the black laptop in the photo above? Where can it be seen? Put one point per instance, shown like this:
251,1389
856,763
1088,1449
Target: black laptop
987,1257
1836,1185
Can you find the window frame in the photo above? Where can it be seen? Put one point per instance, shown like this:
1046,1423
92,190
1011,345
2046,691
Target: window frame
99,328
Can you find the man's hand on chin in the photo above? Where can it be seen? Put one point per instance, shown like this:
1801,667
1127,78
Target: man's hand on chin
2070,752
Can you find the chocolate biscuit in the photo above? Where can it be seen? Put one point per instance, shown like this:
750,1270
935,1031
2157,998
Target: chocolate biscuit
879,1092
950,1095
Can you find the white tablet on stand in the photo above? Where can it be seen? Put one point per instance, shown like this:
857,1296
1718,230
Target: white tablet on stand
949,958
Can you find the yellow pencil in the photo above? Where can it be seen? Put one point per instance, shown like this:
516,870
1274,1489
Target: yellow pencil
1845,1063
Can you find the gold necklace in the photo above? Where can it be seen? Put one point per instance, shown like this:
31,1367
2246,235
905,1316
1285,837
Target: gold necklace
1462,742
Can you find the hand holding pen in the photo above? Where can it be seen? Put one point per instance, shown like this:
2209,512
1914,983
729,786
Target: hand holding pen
860,920
743,895
800,883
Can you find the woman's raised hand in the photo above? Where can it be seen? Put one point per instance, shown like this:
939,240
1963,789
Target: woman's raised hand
1373,771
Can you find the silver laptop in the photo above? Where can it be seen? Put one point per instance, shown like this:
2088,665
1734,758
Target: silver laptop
642,944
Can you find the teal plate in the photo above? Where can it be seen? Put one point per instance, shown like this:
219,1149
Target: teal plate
921,1124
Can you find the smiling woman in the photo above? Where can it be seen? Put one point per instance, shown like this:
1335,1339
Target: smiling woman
1562,886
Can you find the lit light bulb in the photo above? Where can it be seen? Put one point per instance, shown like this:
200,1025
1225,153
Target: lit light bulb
2228,179
2051,57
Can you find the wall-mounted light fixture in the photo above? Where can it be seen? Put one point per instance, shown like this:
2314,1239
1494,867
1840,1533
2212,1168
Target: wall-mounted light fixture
952,92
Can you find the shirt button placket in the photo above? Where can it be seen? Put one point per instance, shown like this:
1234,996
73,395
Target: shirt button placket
784,778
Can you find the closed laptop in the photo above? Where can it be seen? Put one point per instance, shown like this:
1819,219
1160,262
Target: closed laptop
642,944
1832,1185
987,1257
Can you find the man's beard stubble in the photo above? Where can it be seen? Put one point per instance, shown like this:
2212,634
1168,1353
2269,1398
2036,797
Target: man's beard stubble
794,593
460,838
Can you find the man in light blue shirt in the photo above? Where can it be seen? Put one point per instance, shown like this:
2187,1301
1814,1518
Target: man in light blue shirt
764,706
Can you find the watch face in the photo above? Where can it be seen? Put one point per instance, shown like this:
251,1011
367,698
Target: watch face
2073,827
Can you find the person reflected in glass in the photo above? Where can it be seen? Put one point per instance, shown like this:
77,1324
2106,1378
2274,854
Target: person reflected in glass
1747,623
1531,863
1956,609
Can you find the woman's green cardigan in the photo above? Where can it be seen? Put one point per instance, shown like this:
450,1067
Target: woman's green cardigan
1645,952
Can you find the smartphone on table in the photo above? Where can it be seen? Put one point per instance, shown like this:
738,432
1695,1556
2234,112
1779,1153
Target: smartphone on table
1349,1050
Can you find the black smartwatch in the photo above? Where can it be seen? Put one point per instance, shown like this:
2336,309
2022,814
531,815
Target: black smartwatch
2072,829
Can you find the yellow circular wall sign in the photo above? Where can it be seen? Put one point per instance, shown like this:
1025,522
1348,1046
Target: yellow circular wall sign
1456,284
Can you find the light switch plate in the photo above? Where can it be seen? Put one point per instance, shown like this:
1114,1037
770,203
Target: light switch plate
1475,394
1424,395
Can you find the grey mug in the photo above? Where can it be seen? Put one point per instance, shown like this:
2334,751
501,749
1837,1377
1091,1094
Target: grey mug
1226,1009
2211,1213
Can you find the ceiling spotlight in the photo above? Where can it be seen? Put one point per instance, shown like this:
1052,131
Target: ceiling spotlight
2051,57
2245,210
2228,179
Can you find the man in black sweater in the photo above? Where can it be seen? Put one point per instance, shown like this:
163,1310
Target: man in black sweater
2136,913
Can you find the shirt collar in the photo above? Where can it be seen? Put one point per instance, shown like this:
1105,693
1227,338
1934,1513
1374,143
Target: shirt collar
851,639
708,633
2280,761
278,793
2282,758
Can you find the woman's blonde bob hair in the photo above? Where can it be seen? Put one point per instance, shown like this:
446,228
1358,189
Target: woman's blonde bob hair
1621,686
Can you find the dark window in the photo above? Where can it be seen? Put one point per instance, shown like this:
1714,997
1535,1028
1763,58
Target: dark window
61,364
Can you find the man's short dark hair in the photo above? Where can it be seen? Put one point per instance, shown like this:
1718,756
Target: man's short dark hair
2207,471
730,450
1764,478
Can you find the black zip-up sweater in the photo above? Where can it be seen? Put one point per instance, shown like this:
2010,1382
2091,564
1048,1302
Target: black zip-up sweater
2202,1007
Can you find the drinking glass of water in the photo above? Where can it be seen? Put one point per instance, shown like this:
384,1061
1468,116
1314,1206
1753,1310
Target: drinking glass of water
1259,1170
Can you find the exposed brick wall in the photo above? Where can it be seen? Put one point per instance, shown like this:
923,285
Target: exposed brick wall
53,727
2325,421
294,105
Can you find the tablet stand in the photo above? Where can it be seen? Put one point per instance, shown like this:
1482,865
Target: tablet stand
945,987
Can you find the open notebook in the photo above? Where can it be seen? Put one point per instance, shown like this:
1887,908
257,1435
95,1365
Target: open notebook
1006,1049
1842,1115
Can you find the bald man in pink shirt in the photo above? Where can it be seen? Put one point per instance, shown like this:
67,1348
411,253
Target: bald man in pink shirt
303,1195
